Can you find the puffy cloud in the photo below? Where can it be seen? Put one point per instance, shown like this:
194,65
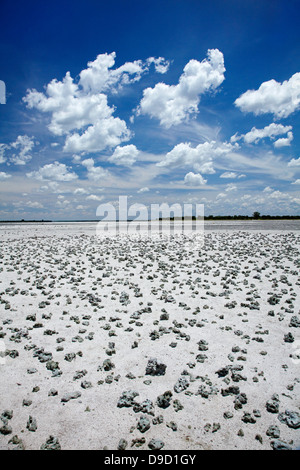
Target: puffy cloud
125,155
80,191
61,201
200,157
95,173
53,171
99,75
68,110
18,152
231,187
172,104
296,182
81,111
284,141
143,190
277,198
234,138
76,159
24,145
52,186
294,162
279,195
4,176
34,205
279,99
161,64
107,132
205,168
194,179
271,131
72,109
94,197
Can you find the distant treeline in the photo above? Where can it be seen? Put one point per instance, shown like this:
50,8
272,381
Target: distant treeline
254,217
23,220
240,217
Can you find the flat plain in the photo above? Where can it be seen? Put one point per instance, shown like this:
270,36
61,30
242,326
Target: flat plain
117,342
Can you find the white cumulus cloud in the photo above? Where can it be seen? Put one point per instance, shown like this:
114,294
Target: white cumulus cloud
172,104
200,157
99,76
24,145
4,176
80,109
94,173
94,197
54,172
231,187
125,155
144,190
34,205
160,63
80,191
87,115
194,179
284,141
279,99
103,133
294,162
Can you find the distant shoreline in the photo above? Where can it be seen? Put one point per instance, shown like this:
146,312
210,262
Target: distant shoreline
206,218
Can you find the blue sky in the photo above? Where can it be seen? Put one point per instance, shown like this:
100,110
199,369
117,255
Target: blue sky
163,101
